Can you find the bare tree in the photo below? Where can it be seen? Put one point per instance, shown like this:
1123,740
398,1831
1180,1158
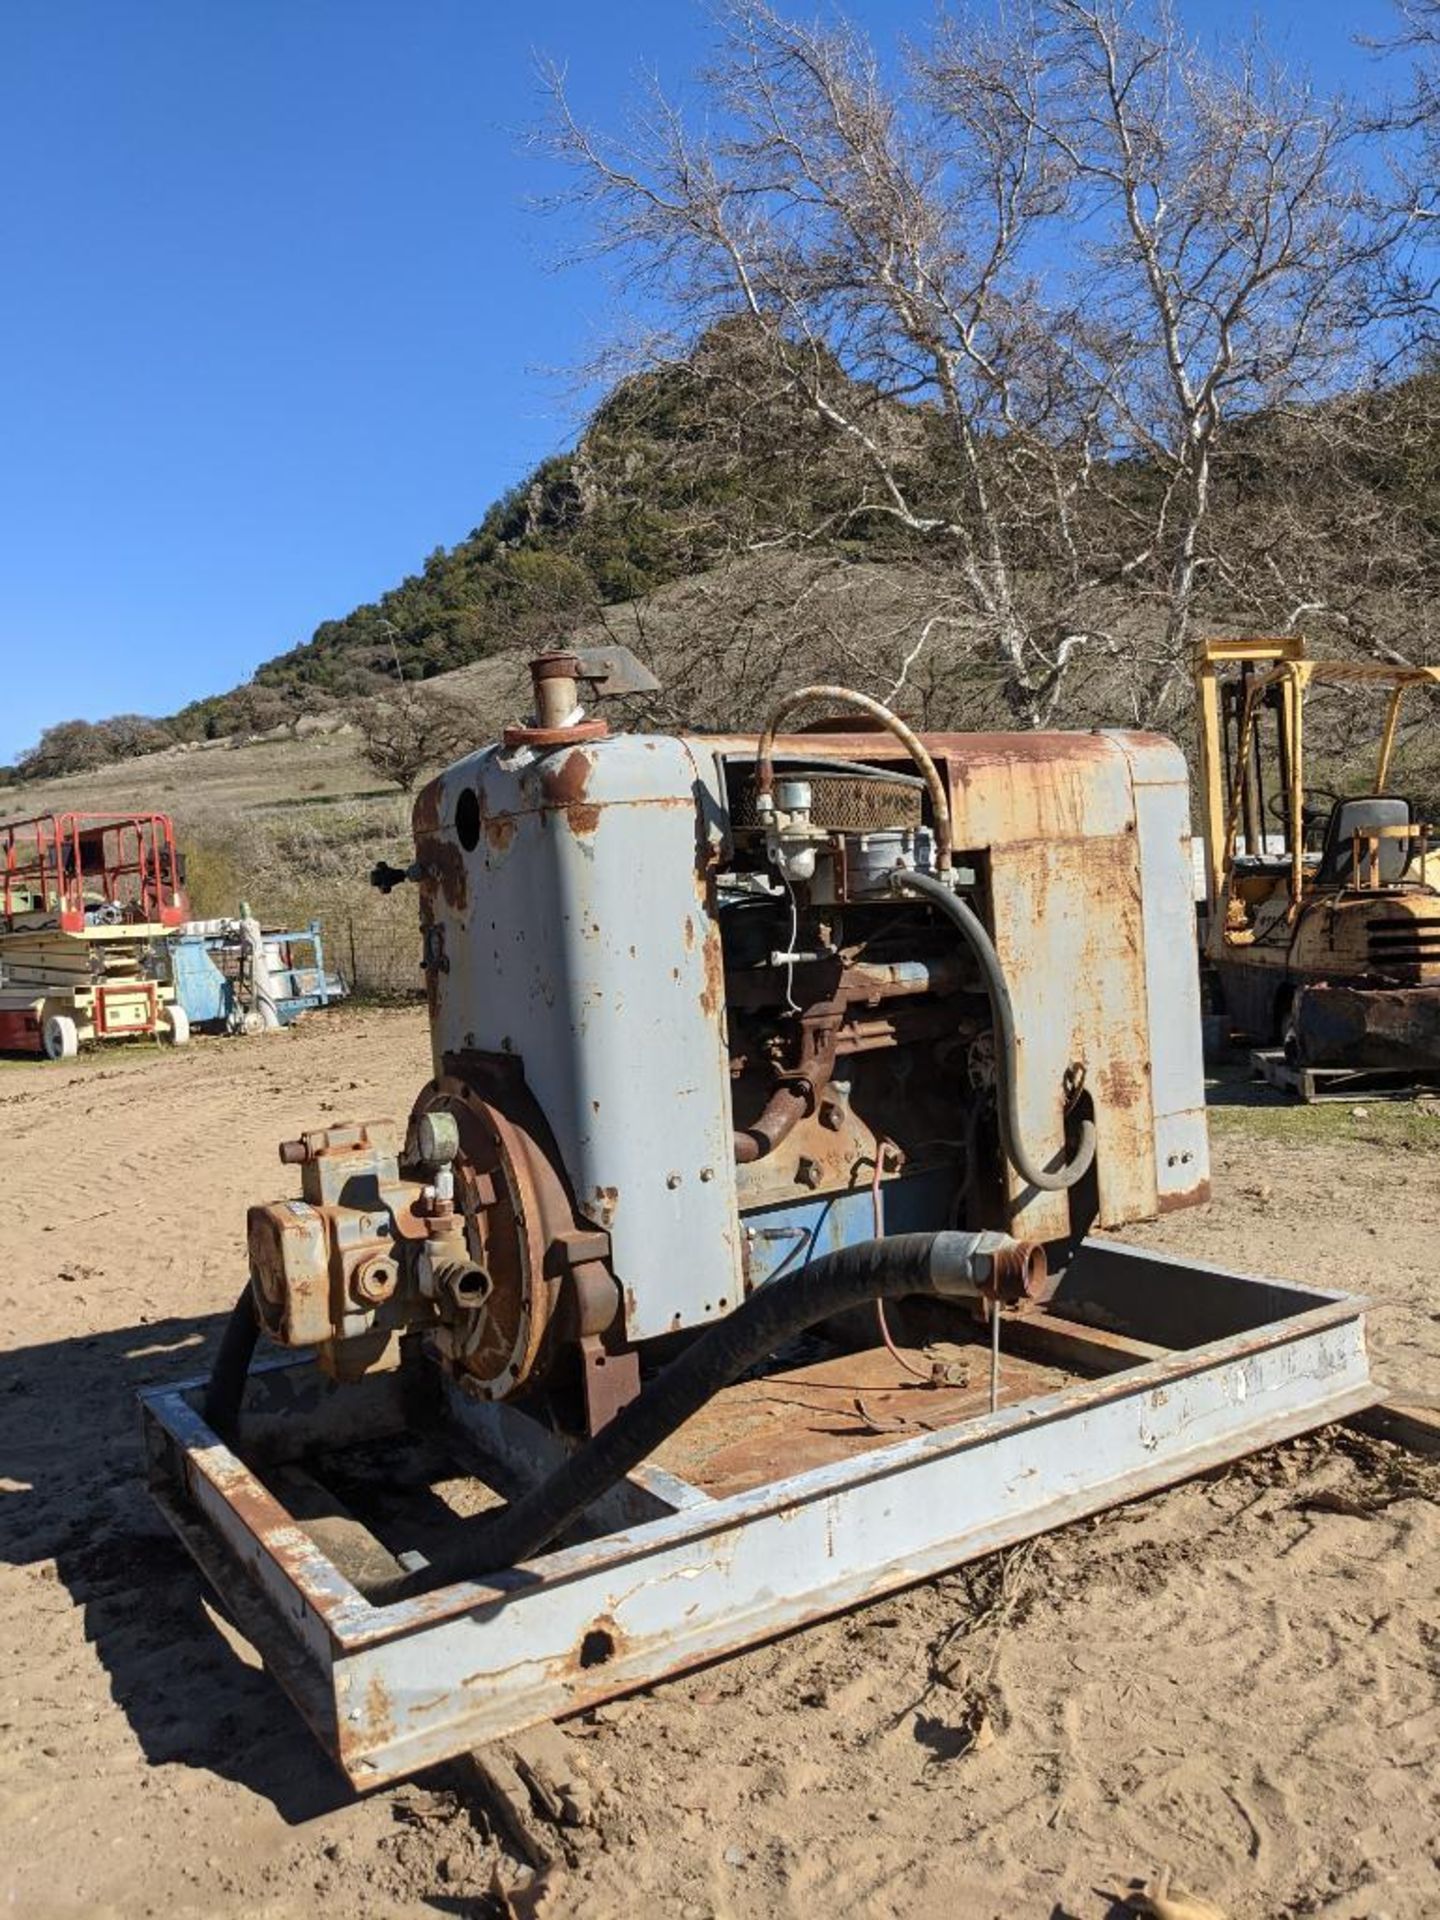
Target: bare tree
1028,289
1409,288
1420,35
1324,521
406,733
879,243
1228,242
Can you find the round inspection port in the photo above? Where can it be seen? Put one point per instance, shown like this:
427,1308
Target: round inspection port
467,819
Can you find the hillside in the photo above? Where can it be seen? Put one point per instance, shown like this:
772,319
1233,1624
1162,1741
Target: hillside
676,470
711,522
711,485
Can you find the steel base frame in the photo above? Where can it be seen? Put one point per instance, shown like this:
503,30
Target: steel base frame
671,1578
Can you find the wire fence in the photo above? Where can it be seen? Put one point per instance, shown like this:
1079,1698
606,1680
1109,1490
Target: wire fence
301,863
373,956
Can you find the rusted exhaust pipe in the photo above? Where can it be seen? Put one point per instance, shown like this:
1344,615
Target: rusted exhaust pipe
783,1112
556,679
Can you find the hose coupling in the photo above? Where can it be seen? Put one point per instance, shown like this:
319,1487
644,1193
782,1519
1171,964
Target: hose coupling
464,1283
989,1265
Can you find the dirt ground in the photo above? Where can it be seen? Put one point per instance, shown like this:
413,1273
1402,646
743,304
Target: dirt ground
1236,1679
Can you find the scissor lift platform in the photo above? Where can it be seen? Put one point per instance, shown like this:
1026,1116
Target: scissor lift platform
818,1486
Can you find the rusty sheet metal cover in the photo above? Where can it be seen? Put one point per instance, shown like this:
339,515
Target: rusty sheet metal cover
1172,978
1069,933
1065,899
571,888
1092,901
391,1689
1395,1028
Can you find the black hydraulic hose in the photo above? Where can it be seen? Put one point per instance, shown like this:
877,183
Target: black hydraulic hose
972,929
225,1388
945,1265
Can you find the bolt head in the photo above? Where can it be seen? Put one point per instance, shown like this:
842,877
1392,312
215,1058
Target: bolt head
375,1281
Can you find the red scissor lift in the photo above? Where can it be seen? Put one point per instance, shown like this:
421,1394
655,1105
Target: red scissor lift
86,901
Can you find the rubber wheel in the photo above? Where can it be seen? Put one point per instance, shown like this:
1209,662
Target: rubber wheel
177,1022
59,1038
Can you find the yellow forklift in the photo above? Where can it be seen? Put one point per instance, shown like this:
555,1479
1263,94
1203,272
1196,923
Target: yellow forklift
1322,917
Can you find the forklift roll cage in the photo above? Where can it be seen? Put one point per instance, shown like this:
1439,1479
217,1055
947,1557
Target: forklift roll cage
1275,672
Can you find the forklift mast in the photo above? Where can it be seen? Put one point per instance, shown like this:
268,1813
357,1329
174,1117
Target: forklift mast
1218,700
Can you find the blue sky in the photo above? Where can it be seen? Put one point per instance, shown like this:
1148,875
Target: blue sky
277,318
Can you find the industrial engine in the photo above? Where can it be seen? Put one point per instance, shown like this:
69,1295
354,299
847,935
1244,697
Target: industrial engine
707,1009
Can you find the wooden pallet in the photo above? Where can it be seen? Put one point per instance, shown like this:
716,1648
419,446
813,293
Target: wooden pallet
1317,1084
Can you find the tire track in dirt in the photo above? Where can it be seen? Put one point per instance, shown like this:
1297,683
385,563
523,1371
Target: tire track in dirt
1219,1678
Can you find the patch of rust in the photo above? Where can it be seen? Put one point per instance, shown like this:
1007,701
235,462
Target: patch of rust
565,783
601,1643
444,862
1196,1196
712,994
604,1203
376,1724
425,816
431,974
1121,1086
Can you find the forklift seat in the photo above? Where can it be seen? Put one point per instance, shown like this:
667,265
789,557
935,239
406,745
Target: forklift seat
1362,815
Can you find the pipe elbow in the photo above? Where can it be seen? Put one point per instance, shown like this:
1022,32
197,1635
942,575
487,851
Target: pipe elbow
782,1113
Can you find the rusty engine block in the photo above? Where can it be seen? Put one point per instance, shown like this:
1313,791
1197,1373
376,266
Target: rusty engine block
695,1021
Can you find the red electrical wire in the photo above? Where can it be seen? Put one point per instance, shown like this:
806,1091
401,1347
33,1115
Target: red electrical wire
917,1373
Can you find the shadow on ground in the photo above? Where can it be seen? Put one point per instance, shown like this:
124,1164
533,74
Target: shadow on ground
1230,1083
70,1459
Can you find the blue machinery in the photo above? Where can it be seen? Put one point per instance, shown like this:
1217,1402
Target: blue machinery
210,974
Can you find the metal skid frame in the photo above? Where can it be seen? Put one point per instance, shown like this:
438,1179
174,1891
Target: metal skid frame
672,1578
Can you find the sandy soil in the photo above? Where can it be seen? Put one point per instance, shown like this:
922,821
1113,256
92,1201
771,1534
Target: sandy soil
1237,1678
